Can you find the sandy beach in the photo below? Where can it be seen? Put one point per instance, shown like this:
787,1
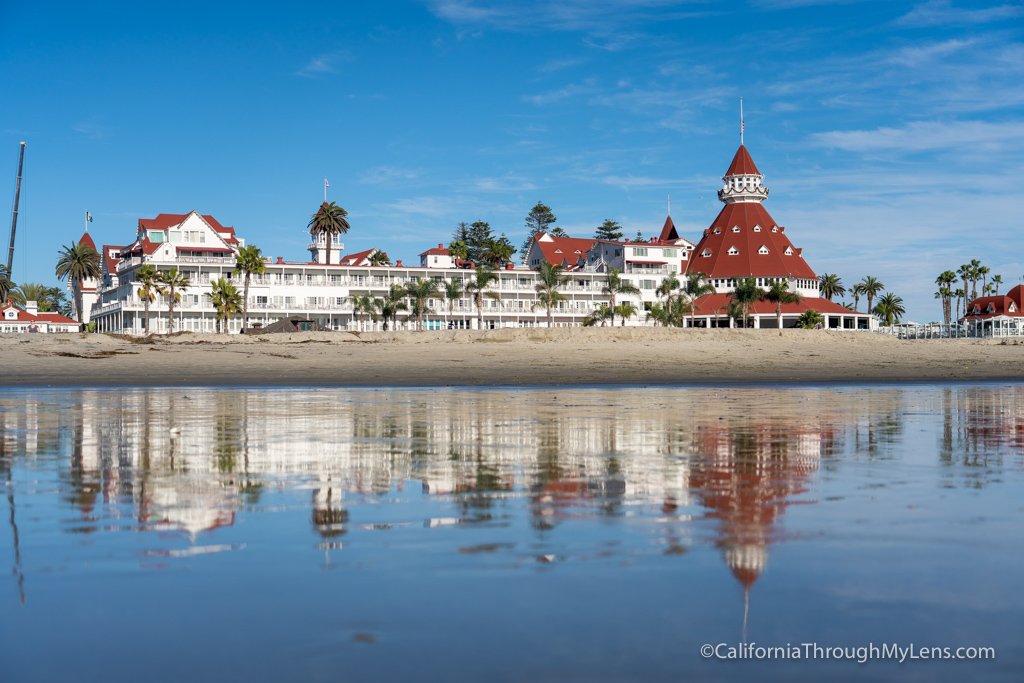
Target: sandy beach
521,357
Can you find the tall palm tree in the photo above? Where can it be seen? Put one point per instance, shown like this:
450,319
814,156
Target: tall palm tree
695,287
549,279
746,294
779,294
148,278
600,314
76,264
380,258
453,291
945,281
391,304
983,272
498,253
964,272
32,291
890,307
227,302
831,285
176,282
615,286
329,220
871,287
975,268
858,292
677,311
960,294
249,260
997,280
420,292
477,287
365,306
6,284
625,311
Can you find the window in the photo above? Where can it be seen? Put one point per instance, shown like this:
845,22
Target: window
735,228
669,253
763,250
706,253
618,252
156,237
261,301
733,251
757,228
174,236
789,251
717,231
775,229
647,284
640,252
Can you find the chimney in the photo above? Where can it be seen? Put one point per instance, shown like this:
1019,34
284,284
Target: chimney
440,246
280,259
509,266
31,307
398,263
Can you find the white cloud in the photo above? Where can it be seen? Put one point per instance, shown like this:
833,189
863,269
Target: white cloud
559,64
568,91
93,131
422,206
569,15
506,184
324,64
385,174
928,136
938,12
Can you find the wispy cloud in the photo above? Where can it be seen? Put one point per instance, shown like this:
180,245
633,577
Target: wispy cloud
386,174
506,184
601,16
91,130
571,90
422,206
326,63
928,136
559,64
938,12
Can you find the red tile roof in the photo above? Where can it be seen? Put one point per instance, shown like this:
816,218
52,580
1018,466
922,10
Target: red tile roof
742,164
355,259
1000,304
748,262
669,231
110,258
710,303
25,316
86,239
439,251
167,220
567,249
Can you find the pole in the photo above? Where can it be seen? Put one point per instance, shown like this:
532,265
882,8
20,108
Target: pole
741,121
14,219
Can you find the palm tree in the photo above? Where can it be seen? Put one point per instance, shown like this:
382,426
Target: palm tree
944,295
975,271
365,305
890,307
453,291
871,287
498,253
809,319
945,281
779,294
420,292
549,279
960,294
616,285
6,284
858,292
482,279
227,302
600,314
625,310
831,285
380,258
964,271
695,287
746,294
678,310
391,304
78,263
667,286
32,291
249,260
660,313
983,271
329,220
149,279
997,280
175,281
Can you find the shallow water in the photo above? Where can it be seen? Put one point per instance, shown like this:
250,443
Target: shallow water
562,534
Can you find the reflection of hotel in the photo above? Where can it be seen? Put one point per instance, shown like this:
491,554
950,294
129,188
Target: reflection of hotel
743,241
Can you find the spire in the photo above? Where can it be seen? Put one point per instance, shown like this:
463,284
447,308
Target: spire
743,182
742,164
668,232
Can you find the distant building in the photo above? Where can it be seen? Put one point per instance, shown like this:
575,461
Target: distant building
14,319
999,315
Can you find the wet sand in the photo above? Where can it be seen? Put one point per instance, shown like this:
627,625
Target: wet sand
521,357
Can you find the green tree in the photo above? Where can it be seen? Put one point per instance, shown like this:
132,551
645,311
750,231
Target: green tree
600,314
478,238
779,294
831,285
746,294
659,313
695,287
78,263
667,289
616,286
458,250
391,304
870,287
6,284
960,294
810,319
975,271
625,311
29,291
609,230
420,292
175,282
549,279
453,291
365,306
890,307
639,238
150,285
540,219
945,282
983,272
499,252
330,220
380,258
478,288
227,303
249,260
997,280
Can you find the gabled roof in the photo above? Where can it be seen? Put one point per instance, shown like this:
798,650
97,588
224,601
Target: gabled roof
110,257
669,231
25,316
748,262
1001,305
559,250
440,250
742,164
356,259
709,304
169,220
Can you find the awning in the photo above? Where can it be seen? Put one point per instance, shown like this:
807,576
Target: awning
207,250
652,263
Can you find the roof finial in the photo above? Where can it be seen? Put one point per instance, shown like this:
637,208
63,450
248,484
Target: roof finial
741,121
670,205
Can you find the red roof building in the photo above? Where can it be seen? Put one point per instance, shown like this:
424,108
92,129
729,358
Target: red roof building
998,315
14,319
745,241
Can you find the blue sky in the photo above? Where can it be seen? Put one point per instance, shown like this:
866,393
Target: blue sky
890,133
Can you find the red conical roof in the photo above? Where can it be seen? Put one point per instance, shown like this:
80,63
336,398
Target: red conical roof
742,164
669,231
85,239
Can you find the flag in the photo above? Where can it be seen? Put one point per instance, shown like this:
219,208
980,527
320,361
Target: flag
326,184
88,217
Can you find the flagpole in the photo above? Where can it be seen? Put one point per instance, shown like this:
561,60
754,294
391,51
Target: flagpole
741,121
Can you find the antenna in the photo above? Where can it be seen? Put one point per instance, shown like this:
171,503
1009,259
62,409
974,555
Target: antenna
741,121
670,205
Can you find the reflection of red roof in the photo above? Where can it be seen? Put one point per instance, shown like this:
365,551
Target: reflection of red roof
669,231
742,164
709,304
748,262
567,249
1008,304
25,316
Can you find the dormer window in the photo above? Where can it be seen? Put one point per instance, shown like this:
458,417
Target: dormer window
757,228
706,253
733,251
1012,308
990,309
763,250
775,229
789,251
735,228
717,231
